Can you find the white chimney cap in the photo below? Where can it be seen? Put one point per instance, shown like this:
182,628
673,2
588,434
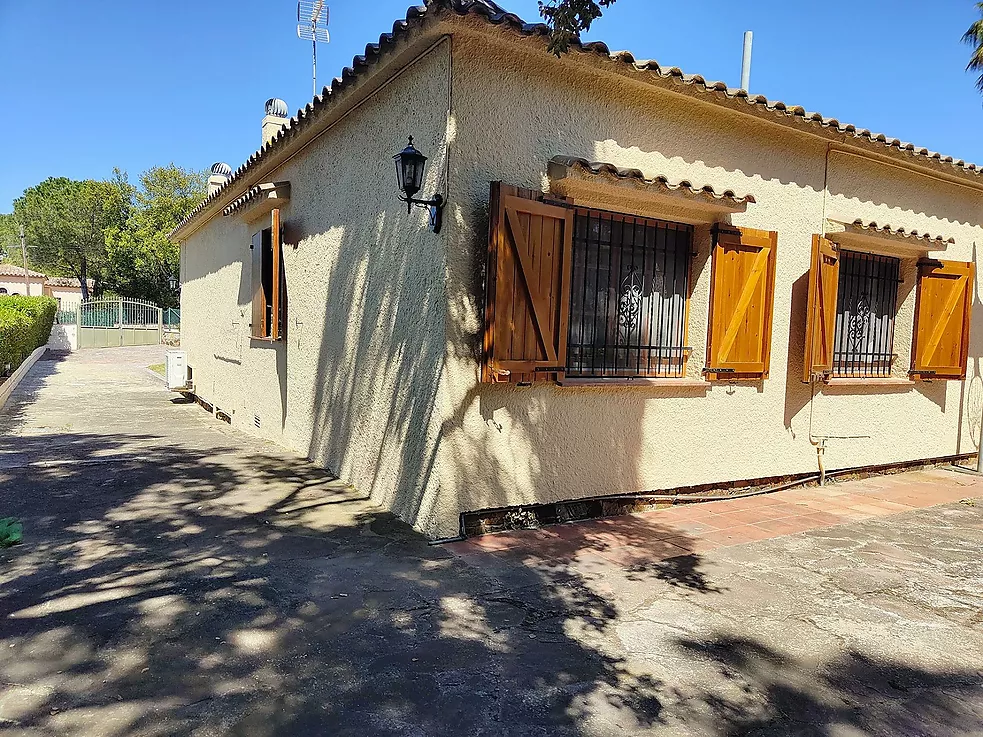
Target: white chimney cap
221,169
276,106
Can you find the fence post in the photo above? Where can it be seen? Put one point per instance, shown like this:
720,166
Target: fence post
121,321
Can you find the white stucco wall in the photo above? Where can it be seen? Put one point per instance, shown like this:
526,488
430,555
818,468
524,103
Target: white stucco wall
355,382
506,445
378,375
69,297
15,285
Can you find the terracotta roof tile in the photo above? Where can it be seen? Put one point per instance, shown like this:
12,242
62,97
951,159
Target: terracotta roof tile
601,168
14,270
886,229
496,15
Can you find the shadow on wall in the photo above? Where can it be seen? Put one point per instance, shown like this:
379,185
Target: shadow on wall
200,591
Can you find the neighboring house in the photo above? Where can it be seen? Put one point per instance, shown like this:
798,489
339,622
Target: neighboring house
66,290
12,281
738,291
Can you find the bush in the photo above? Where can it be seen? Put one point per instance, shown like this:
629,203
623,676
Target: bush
25,324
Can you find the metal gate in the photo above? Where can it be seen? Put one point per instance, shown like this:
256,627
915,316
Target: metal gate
108,323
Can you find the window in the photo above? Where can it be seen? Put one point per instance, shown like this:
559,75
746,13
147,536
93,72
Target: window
863,342
628,296
267,282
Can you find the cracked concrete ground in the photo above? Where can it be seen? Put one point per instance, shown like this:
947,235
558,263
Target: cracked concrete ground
179,578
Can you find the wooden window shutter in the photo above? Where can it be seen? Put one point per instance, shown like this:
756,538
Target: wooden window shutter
742,296
527,295
824,280
268,283
258,326
276,324
942,312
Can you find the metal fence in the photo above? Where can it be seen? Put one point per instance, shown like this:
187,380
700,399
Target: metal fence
172,318
105,323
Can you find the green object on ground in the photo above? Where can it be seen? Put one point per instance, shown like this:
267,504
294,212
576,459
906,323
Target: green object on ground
11,532
157,368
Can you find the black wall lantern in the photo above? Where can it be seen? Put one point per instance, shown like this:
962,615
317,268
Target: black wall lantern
410,164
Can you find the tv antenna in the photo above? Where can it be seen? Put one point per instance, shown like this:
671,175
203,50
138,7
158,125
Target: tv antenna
312,25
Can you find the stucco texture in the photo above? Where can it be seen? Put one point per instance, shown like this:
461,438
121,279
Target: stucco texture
513,445
354,384
377,377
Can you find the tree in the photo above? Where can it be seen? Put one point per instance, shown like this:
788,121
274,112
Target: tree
9,239
66,221
974,37
568,18
141,257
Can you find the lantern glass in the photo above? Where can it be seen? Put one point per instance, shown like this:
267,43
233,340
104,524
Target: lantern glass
410,164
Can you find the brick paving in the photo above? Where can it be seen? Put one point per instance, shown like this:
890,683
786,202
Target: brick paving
700,527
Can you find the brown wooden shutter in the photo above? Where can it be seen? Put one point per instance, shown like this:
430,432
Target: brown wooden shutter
258,327
276,324
942,313
742,295
527,296
824,281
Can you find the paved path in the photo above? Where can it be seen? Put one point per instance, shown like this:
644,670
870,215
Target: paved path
178,578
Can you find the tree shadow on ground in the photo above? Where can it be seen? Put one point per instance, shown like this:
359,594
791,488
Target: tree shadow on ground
202,591
772,693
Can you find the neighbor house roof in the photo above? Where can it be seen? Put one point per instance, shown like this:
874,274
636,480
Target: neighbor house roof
67,281
495,15
14,270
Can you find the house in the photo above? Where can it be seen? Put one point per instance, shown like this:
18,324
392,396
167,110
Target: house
642,280
65,290
12,281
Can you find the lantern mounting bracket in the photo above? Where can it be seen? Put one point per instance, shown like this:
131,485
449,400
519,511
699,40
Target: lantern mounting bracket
435,204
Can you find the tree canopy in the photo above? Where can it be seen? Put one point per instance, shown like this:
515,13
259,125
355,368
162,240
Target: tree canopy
66,220
974,37
567,19
141,259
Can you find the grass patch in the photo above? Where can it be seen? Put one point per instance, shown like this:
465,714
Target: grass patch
157,368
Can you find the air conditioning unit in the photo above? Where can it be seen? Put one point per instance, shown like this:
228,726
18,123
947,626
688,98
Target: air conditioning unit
176,370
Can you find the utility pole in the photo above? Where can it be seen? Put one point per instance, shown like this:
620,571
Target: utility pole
23,255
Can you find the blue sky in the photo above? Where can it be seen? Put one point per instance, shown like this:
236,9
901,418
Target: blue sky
92,85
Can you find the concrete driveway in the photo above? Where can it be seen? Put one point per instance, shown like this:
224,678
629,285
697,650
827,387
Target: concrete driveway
178,578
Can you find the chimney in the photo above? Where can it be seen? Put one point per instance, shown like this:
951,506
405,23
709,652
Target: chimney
220,175
275,118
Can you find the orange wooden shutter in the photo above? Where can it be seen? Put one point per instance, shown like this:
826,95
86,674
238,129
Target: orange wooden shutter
276,324
742,295
824,281
527,296
942,313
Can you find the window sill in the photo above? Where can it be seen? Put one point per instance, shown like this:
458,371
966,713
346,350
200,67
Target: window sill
256,339
869,381
641,381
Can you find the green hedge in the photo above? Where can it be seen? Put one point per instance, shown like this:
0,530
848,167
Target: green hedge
25,324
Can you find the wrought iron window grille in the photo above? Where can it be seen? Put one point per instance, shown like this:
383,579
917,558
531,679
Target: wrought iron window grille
863,343
629,293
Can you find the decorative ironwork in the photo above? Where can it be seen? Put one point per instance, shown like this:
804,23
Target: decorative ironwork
859,321
629,304
863,344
